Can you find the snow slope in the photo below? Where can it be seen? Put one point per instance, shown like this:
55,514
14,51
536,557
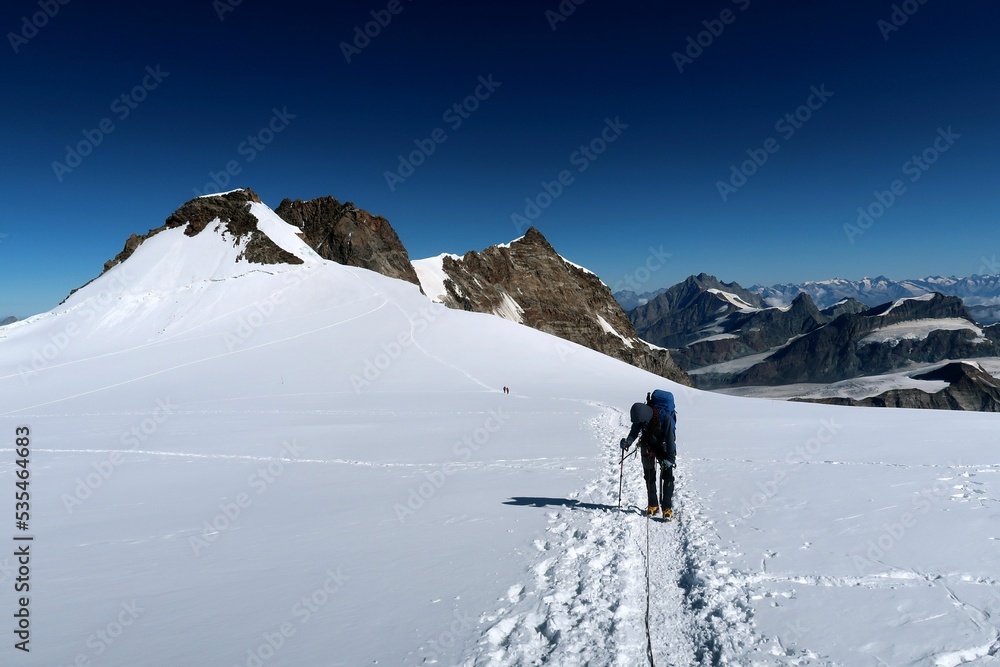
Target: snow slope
733,299
236,464
430,272
920,329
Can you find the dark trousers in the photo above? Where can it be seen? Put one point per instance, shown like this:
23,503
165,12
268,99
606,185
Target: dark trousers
649,466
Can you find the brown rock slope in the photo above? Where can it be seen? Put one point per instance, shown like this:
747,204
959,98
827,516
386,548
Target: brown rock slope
349,235
527,281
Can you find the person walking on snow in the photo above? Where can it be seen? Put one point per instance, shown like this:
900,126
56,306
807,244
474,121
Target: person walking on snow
654,423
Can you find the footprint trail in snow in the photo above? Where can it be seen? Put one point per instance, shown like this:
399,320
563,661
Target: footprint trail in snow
585,599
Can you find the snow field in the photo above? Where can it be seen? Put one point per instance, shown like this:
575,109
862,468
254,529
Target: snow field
258,466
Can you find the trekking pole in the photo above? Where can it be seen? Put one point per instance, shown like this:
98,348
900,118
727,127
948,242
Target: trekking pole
621,475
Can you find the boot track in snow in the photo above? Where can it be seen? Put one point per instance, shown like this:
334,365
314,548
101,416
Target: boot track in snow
612,587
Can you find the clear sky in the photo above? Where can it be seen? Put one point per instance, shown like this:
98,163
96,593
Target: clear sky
666,123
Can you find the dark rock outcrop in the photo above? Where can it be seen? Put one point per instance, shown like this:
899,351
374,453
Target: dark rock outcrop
969,388
846,306
690,310
528,281
349,235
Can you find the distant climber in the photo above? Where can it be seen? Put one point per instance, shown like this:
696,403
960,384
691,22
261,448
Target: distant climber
655,424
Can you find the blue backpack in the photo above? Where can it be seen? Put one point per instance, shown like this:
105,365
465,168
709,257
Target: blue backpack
663,402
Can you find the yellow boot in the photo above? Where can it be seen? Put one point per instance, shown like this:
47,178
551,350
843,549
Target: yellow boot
653,510
668,514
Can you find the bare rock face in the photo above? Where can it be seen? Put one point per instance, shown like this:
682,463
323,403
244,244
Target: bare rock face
349,235
232,209
527,281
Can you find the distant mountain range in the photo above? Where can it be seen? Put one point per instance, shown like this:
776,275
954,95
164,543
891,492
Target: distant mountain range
981,293
726,336
8,320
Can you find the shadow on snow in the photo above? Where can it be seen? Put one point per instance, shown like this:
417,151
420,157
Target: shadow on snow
524,501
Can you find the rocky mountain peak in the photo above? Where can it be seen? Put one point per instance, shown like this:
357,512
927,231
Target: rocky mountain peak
529,282
928,306
346,234
804,301
847,305
232,210
230,207
691,309
534,238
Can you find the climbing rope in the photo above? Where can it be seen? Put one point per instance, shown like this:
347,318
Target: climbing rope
649,637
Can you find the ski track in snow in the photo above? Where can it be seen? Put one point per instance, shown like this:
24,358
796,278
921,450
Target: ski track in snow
194,362
183,337
585,601
413,337
547,463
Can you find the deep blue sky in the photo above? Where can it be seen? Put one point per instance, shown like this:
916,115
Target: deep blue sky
655,185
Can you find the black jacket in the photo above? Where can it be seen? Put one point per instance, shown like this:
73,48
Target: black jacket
661,441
